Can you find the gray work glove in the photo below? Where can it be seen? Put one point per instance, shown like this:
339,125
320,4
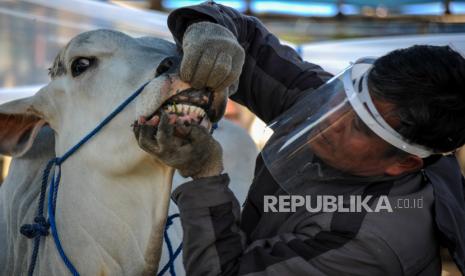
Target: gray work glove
212,57
188,148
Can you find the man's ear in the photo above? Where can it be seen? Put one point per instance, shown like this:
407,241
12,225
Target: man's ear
408,164
20,122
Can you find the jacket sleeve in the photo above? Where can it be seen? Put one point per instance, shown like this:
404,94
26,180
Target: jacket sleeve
213,243
273,77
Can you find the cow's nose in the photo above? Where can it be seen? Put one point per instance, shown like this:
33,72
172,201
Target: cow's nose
168,65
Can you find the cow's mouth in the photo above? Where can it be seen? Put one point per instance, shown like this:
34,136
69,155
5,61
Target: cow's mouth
190,106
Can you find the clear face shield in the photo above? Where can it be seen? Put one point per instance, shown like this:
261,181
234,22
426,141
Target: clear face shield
335,128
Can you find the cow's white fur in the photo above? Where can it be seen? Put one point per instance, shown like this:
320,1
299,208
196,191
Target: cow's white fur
113,197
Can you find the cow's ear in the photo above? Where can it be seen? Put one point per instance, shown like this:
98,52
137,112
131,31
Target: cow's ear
20,122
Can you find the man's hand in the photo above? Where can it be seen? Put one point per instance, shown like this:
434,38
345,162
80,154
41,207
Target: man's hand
188,148
212,57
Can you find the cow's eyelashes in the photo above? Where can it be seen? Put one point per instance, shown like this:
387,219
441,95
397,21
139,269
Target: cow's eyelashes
80,65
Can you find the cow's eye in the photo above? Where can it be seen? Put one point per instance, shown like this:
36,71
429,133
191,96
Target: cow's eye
80,65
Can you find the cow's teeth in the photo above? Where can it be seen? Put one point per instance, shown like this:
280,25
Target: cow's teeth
198,111
186,109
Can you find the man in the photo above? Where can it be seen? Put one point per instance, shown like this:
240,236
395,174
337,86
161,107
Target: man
368,133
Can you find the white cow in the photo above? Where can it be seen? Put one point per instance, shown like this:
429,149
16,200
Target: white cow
113,197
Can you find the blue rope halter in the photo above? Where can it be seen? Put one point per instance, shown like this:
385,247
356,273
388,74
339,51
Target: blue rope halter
172,255
41,226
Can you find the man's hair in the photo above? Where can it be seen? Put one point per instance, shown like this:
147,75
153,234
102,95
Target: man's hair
426,84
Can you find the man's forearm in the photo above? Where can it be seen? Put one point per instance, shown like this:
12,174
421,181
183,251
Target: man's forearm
209,212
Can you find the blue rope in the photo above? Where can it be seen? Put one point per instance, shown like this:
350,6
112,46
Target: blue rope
214,127
172,255
41,226
51,217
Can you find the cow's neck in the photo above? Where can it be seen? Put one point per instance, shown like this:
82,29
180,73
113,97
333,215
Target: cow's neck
118,217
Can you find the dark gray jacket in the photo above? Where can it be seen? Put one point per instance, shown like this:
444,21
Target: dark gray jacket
219,240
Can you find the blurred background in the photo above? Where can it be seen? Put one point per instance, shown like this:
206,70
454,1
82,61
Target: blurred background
301,21
327,32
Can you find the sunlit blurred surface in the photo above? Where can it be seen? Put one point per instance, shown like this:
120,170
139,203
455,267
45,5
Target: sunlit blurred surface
334,56
303,8
432,8
331,8
32,33
5,165
9,94
173,4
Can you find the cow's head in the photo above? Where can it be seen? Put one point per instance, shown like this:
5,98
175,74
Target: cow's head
91,76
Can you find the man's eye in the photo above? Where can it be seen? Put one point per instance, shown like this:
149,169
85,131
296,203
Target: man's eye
356,124
80,65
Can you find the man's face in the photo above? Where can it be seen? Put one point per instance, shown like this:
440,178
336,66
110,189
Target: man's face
347,144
